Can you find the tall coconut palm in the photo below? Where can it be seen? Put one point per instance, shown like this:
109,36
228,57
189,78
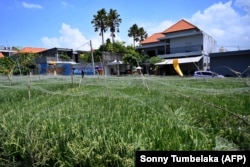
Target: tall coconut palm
142,34
100,22
114,21
133,32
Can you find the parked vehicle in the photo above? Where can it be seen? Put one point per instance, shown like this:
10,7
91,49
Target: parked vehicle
207,74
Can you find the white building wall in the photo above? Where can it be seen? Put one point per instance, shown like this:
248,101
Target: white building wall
121,68
206,62
209,44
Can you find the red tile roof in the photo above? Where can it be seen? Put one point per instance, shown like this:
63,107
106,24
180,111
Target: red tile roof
1,55
31,50
153,38
180,26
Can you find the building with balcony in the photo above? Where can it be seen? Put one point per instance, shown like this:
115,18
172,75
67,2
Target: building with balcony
6,51
183,41
56,61
65,61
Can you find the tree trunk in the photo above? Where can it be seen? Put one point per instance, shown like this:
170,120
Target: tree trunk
9,75
102,38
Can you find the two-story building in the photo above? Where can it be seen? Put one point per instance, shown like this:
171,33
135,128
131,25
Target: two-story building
6,51
57,60
65,61
183,41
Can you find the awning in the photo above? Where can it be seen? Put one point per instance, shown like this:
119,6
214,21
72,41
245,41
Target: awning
138,68
61,62
180,60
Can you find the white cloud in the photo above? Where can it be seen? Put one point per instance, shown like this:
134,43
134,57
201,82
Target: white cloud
50,42
31,6
245,4
152,28
70,38
225,25
222,21
161,27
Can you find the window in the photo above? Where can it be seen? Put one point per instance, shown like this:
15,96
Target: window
207,73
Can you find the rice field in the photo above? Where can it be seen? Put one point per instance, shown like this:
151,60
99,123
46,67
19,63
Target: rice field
102,121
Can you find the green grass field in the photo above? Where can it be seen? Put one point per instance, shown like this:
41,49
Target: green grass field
103,121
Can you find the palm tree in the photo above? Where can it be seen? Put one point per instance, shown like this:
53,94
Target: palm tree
100,22
142,34
138,34
114,21
133,32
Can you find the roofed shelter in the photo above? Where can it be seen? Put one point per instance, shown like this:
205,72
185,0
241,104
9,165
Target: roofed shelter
1,55
31,50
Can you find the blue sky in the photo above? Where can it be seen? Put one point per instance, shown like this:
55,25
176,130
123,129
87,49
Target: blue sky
66,23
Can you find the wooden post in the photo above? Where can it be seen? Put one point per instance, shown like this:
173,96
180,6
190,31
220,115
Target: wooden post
28,85
80,82
72,79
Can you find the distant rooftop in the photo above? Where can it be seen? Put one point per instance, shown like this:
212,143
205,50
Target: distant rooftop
31,50
1,55
153,38
179,26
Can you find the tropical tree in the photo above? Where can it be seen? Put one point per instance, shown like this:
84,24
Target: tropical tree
132,57
7,66
97,56
87,57
142,34
109,46
25,62
100,22
116,47
138,33
83,57
155,59
114,21
119,47
133,32
64,57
